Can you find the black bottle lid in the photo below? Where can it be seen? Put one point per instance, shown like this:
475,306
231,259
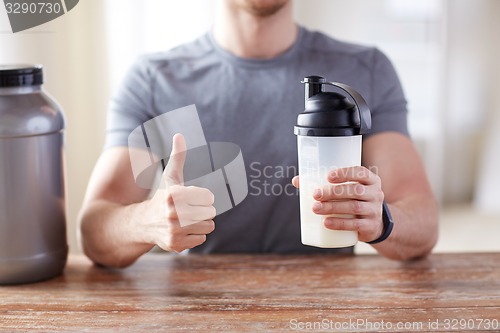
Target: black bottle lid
20,75
331,113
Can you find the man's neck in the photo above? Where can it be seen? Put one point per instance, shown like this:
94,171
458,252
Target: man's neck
249,36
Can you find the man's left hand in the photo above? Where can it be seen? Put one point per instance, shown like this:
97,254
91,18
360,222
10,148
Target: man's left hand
355,192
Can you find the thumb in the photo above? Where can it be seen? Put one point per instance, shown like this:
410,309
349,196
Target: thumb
174,171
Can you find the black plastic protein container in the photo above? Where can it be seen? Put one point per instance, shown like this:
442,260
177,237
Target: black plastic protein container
33,245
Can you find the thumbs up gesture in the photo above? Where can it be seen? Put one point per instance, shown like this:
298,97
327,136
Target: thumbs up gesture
181,216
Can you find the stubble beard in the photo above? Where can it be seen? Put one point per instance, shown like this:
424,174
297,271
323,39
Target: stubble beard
264,8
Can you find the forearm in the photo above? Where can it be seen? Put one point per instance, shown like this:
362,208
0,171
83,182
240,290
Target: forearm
108,235
415,228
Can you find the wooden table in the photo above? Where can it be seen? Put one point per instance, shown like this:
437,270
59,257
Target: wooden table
263,293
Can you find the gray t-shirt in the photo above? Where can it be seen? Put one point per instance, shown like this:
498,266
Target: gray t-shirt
255,103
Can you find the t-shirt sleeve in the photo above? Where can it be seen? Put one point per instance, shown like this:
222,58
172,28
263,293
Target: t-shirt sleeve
131,105
388,105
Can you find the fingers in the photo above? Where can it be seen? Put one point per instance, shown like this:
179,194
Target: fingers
351,183
194,240
190,204
191,195
366,228
187,215
199,228
350,207
191,236
179,244
175,238
295,181
174,171
349,191
357,174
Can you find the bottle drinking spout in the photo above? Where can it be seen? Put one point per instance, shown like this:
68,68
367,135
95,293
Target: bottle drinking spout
313,86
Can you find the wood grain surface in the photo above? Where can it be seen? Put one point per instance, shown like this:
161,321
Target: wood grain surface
263,293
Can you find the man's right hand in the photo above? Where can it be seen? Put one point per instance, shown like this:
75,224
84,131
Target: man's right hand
180,217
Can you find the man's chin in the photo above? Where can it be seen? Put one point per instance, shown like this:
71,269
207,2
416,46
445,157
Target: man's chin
264,8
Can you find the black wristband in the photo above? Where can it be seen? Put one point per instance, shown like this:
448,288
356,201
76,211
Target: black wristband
388,225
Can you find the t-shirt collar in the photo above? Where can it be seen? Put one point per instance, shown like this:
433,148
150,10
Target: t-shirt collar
258,63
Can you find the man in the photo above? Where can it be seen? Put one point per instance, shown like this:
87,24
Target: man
244,79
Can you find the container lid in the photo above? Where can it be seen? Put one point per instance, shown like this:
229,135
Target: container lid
329,113
28,113
21,75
